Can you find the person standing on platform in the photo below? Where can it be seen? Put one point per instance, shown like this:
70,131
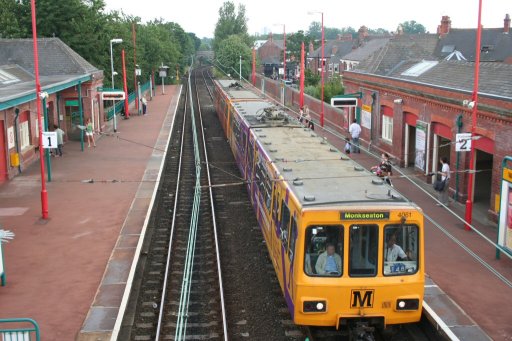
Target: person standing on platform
89,133
60,140
144,105
355,131
445,178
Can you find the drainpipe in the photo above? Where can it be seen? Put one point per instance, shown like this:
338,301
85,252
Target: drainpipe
16,137
47,150
459,128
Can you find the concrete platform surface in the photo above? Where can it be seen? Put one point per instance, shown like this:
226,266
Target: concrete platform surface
54,267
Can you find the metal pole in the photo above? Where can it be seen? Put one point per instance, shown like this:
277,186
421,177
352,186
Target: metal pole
80,110
163,86
240,73
302,65
253,66
44,194
469,201
125,88
135,65
113,87
47,150
284,51
322,71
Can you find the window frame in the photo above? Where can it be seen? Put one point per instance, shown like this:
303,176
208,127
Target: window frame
418,245
340,234
24,135
387,128
376,267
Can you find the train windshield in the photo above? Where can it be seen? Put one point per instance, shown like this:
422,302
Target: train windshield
363,250
400,249
324,251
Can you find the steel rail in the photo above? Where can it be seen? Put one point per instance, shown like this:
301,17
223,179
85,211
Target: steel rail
214,219
173,224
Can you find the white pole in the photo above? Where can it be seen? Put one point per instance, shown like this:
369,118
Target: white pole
112,70
240,69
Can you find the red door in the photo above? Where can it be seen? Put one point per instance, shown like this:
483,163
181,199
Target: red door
3,160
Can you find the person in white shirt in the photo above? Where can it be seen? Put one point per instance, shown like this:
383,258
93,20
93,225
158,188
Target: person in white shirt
355,131
445,177
393,251
329,262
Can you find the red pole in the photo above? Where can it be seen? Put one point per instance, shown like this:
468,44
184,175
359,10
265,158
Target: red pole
253,66
284,51
474,98
44,194
125,87
135,67
322,71
302,65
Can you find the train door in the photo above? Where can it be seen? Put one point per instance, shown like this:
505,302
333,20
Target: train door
275,233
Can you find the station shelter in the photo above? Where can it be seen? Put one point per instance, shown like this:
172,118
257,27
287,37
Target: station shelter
70,86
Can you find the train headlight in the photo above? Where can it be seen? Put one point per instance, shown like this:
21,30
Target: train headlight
408,304
314,307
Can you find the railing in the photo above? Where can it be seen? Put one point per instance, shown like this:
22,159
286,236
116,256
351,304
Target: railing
120,105
28,333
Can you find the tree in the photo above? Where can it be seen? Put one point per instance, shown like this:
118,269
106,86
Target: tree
413,27
12,14
230,23
229,53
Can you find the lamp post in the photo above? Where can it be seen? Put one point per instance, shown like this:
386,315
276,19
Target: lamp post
113,41
240,73
474,99
321,72
44,193
284,49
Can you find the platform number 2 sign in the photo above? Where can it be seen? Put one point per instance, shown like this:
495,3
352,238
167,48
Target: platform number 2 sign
463,142
49,139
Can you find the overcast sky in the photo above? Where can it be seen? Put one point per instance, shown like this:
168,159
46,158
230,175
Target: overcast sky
264,14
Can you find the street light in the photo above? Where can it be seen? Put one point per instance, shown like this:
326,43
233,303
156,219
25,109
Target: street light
114,41
284,48
321,71
474,106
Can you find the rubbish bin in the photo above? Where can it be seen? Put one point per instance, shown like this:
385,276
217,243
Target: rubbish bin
15,159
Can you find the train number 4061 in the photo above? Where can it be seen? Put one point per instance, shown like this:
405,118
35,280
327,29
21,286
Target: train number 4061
362,298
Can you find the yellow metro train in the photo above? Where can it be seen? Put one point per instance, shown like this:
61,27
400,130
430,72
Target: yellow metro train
347,249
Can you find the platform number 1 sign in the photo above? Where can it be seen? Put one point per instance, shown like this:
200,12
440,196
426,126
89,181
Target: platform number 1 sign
49,139
463,142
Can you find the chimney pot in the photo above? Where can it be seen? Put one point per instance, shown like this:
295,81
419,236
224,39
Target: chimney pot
506,24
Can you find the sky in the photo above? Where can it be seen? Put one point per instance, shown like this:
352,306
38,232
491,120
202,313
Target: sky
265,16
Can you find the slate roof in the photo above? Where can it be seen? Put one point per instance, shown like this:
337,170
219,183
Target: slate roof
365,50
344,47
496,46
55,57
400,49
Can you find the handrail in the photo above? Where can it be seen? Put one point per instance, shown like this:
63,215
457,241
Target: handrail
19,333
120,105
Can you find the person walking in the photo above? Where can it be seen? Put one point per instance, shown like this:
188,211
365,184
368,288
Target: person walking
144,105
355,131
60,139
89,133
445,178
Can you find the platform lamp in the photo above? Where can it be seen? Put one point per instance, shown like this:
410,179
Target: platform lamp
138,72
113,41
321,70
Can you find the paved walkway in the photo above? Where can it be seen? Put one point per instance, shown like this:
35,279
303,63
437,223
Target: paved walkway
467,279
54,267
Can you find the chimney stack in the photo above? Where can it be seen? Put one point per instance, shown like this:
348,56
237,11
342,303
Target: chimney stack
270,36
506,24
445,26
334,49
311,47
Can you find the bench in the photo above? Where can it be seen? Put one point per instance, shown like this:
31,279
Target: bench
19,329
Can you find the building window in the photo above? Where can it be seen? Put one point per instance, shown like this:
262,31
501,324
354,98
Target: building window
24,135
330,67
336,68
387,128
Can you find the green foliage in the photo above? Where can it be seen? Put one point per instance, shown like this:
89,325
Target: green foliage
311,78
312,90
333,88
228,57
85,27
413,27
230,23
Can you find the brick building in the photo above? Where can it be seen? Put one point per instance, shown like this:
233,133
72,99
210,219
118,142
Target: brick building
270,55
413,92
67,78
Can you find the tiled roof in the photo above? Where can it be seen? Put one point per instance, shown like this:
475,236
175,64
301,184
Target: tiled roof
343,48
494,78
398,50
496,46
365,50
55,57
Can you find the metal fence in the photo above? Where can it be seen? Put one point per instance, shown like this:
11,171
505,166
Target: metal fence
19,329
120,105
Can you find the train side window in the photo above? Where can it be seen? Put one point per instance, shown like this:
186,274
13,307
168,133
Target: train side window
285,224
400,249
324,251
363,250
293,238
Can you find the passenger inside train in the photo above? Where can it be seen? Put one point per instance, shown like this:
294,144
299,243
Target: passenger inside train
324,250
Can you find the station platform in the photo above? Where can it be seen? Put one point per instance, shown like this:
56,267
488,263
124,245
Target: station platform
466,286
56,269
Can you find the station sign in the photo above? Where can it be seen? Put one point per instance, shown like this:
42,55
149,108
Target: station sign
49,139
505,207
463,142
113,96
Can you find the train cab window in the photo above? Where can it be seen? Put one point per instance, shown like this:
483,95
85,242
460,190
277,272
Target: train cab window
285,224
324,251
400,249
363,250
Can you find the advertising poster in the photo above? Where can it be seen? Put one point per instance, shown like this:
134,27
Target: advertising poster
421,145
505,222
366,116
10,137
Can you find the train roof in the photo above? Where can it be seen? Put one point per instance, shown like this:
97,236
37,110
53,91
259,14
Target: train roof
317,172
